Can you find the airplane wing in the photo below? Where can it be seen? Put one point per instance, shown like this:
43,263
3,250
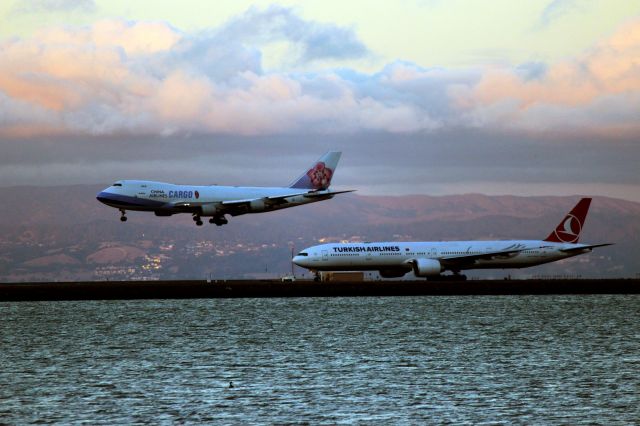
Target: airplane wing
581,248
467,259
183,206
280,199
277,199
238,207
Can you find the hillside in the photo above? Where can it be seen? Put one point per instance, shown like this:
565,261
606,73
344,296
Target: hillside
61,233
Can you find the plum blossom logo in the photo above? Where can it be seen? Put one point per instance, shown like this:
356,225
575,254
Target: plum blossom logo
320,176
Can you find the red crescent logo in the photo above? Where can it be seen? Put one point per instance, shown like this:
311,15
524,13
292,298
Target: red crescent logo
197,195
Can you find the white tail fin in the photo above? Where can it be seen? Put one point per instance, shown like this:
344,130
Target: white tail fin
319,176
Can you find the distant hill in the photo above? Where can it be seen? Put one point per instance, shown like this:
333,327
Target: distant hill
55,233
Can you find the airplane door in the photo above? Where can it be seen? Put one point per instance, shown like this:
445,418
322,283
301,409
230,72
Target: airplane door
432,253
325,255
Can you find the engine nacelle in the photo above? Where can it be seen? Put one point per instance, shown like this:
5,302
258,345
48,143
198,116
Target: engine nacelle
257,206
426,267
392,273
209,209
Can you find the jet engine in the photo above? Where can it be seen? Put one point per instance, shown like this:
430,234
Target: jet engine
426,267
257,206
209,209
392,273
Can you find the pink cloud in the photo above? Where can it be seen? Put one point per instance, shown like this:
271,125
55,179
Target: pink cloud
149,78
588,92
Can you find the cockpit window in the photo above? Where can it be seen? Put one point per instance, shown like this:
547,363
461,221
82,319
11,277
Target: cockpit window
117,184
302,254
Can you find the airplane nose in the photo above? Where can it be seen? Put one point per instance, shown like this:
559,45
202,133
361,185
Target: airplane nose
103,197
299,260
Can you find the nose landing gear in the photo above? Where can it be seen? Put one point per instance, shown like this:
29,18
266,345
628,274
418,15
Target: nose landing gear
197,220
123,218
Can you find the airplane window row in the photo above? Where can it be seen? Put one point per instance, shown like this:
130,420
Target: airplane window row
461,252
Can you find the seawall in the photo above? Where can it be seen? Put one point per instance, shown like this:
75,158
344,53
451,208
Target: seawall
113,290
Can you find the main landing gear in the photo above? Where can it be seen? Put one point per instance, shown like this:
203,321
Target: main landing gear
220,220
123,218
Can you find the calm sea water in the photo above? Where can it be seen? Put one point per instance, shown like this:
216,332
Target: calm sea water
495,359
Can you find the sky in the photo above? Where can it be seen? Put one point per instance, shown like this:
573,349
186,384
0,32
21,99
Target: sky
430,97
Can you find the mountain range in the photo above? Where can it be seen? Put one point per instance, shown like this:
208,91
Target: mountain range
63,234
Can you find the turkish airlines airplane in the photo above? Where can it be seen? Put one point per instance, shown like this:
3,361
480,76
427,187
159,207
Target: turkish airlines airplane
166,199
430,259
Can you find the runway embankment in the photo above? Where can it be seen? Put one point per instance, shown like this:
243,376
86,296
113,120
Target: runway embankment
111,290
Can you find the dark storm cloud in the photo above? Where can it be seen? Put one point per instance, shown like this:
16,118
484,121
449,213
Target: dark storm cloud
122,99
374,163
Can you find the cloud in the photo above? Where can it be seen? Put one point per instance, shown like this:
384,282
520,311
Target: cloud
124,77
314,40
51,6
555,10
597,91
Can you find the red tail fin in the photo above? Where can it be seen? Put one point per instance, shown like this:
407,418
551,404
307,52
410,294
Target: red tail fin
568,231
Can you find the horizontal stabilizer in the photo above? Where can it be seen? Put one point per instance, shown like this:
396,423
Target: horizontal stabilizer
323,193
585,247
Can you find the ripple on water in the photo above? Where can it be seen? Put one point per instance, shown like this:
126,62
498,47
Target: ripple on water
534,359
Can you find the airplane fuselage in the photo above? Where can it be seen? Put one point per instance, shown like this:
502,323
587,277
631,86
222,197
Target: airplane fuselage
167,198
402,257
430,259
214,201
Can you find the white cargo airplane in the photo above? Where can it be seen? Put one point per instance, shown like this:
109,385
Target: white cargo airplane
166,199
430,259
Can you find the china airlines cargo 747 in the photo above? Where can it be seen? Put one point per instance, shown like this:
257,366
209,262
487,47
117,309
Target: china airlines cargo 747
166,199
430,259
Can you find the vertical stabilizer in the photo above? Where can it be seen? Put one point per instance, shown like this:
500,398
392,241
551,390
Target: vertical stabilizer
319,176
568,231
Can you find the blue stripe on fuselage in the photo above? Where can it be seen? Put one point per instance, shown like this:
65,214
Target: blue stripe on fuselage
126,201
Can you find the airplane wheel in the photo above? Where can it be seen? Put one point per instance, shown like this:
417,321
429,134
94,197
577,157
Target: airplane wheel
123,219
199,222
211,220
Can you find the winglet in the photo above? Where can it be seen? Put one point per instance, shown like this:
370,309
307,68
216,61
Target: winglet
568,231
319,176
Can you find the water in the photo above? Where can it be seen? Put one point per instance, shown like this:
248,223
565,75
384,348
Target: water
408,360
